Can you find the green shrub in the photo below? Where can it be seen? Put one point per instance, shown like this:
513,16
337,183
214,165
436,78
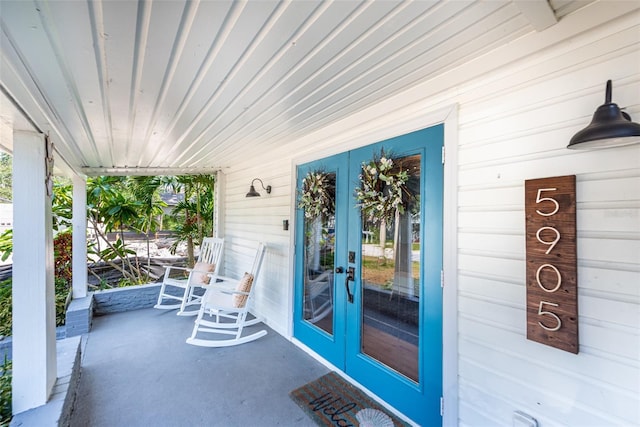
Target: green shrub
5,393
63,275
5,307
62,292
6,244
63,253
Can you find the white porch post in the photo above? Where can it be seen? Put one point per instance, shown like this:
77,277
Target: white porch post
79,236
218,206
34,334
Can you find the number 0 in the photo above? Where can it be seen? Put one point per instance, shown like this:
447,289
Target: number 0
558,278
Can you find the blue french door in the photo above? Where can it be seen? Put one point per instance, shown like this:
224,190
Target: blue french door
368,295
319,253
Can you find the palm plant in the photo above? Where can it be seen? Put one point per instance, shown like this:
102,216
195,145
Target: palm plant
119,203
62,204
186,230
145,190
111,208
6,177
99,190
6,244
195,212
121,212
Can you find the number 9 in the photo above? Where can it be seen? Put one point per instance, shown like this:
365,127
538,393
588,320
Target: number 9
551,244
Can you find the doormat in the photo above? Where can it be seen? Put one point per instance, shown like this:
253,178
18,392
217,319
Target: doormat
332,401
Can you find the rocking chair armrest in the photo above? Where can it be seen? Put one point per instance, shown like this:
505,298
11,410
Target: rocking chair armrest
189,269
173,267
214,281
232,292
223,282
204,272
220,287
225,278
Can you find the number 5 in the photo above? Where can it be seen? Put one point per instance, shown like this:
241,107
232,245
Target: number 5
540,199
541,312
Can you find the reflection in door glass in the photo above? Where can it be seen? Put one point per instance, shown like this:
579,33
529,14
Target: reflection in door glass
319,255
391,276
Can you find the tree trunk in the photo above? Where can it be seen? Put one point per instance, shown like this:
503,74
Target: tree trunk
191,259
383,239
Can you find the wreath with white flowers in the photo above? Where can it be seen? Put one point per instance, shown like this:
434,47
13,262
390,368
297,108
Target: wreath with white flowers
317,194
383,188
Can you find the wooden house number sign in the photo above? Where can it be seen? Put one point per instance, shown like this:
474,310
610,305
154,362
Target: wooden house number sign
552,279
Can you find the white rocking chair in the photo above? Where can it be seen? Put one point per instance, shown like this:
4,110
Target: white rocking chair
183,289
318,296
228,303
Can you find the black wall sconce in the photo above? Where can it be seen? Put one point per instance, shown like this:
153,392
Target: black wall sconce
252,191
609,127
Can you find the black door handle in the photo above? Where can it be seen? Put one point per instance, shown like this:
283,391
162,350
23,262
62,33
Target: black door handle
339,270
351,275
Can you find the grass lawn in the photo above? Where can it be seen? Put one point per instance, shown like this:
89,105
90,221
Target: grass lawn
380,272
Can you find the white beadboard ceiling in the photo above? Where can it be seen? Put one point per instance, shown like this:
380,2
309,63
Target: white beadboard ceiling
169,87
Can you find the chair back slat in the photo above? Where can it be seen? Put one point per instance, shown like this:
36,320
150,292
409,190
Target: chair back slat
257,261
211,250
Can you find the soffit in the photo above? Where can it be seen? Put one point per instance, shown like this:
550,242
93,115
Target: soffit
162,87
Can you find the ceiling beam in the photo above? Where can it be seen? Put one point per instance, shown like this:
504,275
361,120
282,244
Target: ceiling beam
537,12
146,171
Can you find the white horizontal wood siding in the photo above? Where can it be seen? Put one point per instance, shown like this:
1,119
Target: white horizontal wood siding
517,109
248,220
514,126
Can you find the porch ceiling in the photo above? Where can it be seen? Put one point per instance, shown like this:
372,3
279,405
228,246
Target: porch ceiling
167,87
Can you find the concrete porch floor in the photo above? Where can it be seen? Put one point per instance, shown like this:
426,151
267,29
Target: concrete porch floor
137,370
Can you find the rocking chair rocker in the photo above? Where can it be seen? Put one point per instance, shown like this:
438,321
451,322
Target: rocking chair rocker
228,303
198,277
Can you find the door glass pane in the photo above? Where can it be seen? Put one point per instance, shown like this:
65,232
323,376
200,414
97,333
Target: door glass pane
319,262
391,278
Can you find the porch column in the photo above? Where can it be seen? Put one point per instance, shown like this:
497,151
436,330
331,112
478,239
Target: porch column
34,334
402,254
79,236
218,205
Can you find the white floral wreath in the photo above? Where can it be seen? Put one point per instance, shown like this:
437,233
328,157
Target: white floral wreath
382,189
317,195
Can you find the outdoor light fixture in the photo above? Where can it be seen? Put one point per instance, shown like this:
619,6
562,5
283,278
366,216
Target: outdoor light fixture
609,127
252,191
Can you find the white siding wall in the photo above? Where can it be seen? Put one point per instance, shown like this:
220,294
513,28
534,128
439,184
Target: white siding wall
518,108
248,220
514,126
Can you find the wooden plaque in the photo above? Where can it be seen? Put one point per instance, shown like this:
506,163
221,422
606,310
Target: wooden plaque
552,276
